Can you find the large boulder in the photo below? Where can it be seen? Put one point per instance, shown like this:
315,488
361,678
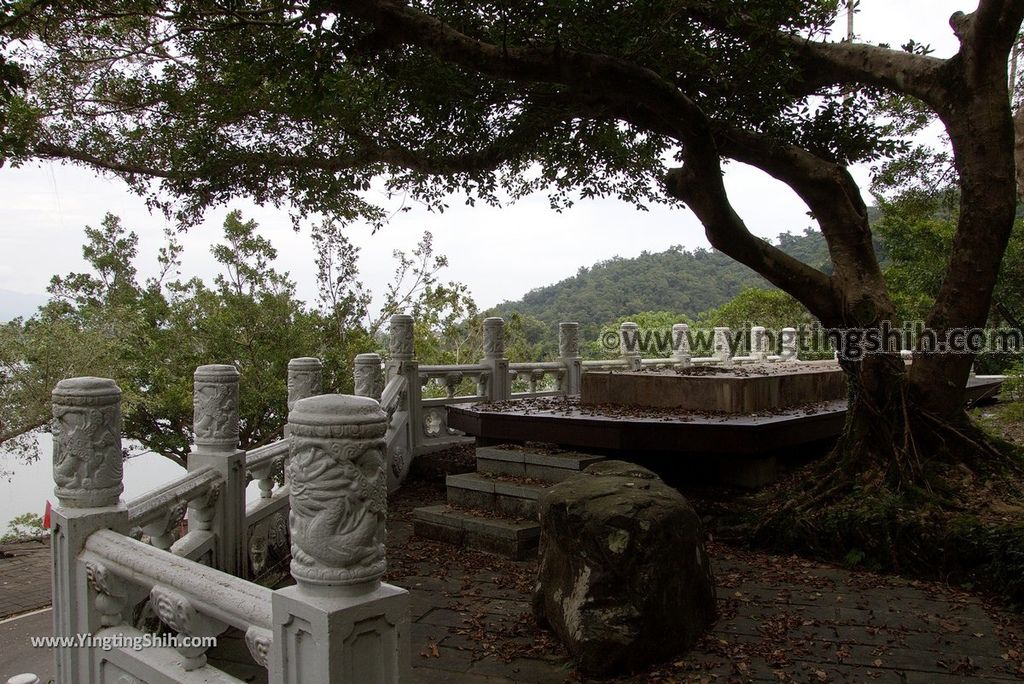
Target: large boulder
624,577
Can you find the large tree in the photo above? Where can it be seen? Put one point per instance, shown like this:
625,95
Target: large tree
306,102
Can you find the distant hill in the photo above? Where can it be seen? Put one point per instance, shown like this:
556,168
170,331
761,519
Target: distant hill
676,280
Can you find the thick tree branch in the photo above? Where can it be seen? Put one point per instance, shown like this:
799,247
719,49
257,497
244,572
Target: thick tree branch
826,64
62,152
994,25
836,203
699,184
639,92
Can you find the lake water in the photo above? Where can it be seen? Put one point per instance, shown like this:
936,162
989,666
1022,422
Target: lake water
31,485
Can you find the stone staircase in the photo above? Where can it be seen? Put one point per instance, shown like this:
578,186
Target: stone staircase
495,508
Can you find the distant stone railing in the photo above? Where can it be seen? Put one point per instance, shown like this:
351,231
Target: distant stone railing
418,422
330,512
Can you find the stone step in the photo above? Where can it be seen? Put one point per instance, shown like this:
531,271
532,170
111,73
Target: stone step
488,493
515,539
523,463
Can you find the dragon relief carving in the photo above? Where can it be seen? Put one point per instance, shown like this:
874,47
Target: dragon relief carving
302,384
569,341
216,410
87,449
338,509
365,376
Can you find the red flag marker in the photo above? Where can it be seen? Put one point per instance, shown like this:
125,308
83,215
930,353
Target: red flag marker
46,516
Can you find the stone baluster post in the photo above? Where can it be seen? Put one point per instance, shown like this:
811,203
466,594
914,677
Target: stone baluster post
720,351
569,355
790,345
215,403
629,345
402,361
339,623
499,388
681,345
87,471
758,343
366,372
305,379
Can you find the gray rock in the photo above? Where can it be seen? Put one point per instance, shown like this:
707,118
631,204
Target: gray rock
624,577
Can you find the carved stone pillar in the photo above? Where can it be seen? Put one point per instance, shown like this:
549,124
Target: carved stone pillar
681,345
338,511
215,404
87,458
366,372
758,343
721,350
569,354
499,386
494,338
305,379
401,345
409,414
629,345
338,490
790,343
87,472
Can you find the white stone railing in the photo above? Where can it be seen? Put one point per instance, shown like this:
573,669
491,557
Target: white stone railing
160,512
538,375
419,421
332,510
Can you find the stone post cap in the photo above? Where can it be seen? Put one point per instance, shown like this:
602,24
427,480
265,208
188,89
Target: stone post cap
628,325
494,321
398,319
330,410
370,357
93,390
217,372
567,324
305,363
680,326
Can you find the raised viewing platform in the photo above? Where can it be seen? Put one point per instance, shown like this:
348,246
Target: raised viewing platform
569,422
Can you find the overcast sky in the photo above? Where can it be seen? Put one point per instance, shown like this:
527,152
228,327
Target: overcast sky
499,253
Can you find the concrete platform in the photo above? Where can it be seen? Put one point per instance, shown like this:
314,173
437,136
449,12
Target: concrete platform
567,422
738,390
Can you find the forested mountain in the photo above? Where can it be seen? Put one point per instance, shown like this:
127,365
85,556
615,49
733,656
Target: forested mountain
676,280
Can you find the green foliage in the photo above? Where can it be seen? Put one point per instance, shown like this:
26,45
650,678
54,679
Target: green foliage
918,199
773,309
151,336
675,280
1013,387
24,526
308,104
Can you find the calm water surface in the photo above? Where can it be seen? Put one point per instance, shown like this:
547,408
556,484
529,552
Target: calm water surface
32,484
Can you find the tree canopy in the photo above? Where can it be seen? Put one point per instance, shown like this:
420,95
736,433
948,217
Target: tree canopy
306,102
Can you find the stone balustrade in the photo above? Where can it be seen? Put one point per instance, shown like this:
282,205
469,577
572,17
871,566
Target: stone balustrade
416,408
332,509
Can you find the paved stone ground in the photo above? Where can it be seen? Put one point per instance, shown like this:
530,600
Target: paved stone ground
24,577
782,619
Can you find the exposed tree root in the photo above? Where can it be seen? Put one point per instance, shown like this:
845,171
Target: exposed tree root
907,491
